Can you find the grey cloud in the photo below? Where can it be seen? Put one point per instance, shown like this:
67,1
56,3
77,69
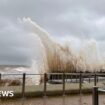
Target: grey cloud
15,45
79,18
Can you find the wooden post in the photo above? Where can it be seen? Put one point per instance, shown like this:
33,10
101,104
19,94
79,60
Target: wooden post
95,95
95,79
89,79
0,76
80,83
71,78
76,77
63,79
45,78
23,85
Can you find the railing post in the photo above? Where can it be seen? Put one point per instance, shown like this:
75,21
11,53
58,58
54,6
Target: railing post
23,85
63,78
76,77
0,76
45,78
89,79
80,83
95,95
71,78
95,79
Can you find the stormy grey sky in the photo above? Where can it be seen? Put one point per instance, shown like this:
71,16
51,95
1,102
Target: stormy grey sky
77,18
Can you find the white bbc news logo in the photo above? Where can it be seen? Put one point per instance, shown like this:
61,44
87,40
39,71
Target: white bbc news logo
6,93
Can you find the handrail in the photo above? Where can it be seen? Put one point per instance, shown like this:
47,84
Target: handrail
78,77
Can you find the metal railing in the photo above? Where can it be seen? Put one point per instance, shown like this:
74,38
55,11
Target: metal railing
78,77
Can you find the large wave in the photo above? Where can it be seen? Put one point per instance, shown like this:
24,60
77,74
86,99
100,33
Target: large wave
88,55
50,55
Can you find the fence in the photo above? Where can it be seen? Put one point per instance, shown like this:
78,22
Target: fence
77,77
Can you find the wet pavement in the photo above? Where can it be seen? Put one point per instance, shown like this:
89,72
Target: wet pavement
64,100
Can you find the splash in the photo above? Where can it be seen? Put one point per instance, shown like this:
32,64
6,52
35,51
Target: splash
87,56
